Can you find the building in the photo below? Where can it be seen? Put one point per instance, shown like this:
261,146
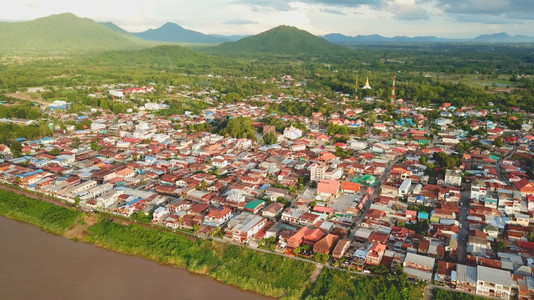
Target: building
217,217
404,188
292,133
326,244
317,172
418,267
328,188
340,249
243,227
493,282
466,278
453,177
375,254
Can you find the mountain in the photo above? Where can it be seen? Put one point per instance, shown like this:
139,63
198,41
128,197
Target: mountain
171,32
64,32
279,40
338,38
502,37
115,28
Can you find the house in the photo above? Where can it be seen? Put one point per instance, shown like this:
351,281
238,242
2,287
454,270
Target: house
292,133
309,219
453,177
375,254
466,278
328,188
524,186
254,206
326,244
380,126
404,188
243,227
418,267
340,249
445,271
272,210
217,217
493,282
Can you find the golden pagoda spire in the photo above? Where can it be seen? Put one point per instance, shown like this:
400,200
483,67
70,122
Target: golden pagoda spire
367,86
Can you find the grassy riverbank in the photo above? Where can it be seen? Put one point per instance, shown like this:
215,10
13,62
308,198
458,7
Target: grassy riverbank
267,274
48,217
337,284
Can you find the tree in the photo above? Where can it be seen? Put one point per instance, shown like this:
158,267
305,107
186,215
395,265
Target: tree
270,138
118,108
498,142
240,127
499,246
34,113
104,104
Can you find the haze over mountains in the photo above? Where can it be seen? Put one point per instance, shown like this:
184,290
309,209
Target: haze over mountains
171,32
65,32
69,32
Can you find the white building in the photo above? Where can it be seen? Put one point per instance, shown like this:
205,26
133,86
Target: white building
404,188
493,282
453,177
317,172
292,133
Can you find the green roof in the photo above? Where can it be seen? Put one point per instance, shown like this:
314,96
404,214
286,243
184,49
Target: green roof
252,205
368,180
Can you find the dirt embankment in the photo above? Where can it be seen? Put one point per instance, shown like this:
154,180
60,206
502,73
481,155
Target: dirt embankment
79,230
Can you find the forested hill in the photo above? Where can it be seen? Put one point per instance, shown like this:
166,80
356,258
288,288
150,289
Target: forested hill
171,32
166,57
283,40
64,32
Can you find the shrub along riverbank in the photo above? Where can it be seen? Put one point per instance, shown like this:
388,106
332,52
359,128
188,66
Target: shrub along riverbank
337,284
267,274
48,217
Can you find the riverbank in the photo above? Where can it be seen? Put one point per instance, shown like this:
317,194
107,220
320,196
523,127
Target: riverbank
264,273
39,265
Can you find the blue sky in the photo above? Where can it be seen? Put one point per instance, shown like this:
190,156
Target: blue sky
442,18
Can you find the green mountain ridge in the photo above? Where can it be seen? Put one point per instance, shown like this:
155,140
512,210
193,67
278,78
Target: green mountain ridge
284,40
65,32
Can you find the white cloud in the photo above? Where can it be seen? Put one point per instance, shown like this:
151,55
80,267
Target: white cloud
448,18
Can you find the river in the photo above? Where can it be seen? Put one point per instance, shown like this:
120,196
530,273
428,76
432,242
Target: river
38,265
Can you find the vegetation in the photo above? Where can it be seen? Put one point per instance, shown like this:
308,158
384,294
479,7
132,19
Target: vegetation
336,284
441,294
282,40
268,274
64,32
48,217
240,127
270,138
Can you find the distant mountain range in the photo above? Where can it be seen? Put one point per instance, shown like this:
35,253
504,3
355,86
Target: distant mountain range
338,38
502,37
69,32
171,32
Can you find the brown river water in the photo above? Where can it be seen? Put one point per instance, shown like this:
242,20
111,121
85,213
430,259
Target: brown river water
38,265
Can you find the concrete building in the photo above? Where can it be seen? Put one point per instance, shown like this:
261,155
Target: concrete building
493,282
453,177
317,172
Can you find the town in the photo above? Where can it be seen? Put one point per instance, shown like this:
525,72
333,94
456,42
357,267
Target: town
442,191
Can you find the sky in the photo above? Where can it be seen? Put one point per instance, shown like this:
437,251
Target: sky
441,18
